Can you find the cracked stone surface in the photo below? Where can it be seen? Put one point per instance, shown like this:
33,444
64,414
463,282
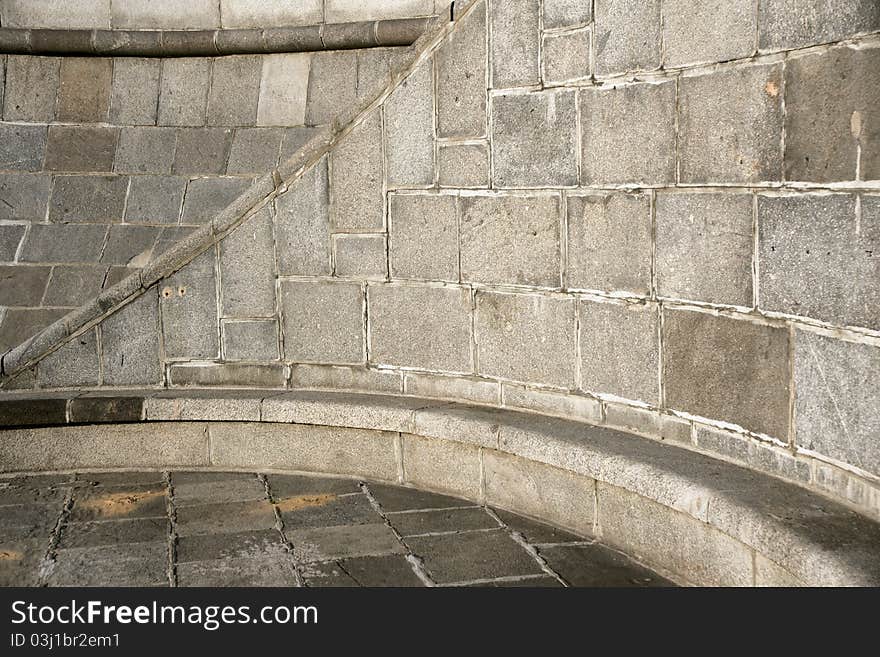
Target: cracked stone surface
250,529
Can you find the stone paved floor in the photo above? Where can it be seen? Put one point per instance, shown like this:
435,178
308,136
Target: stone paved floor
239,529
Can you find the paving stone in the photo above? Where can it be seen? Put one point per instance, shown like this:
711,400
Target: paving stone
226,517
785,24
31,87
332,85
326,510
535,532
441,521
424,237
202,151
251,340
81,148
33,412
283,89
145,150
730,125
22,197
155,199
23,286
127,245
395,498
627,36
189,308
64,243
254,545
247,268
271,571
197,493
93,534
83,199
286,486
525,337
323,322
28,520
183,98
515,30
409,130
356,193
84,92
375,68
20,324
134,97
511,240
254,150
22,147
206,197
597,565
707,32
362,571
341,11
326,543
727,369
119,503
139,564
73,364
20,560
565,13
361,256
235,90
532,581
185,477
461,78
110,409
463,165
567,56
645,152
130,343
302,225
165,14
15,493
74,285
408,321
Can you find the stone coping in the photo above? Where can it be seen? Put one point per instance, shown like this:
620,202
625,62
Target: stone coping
201,43
696,519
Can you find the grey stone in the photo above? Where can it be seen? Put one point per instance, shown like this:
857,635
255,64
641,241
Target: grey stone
730,125
63,243
707,32
395,498
287,486
197,493
295,138
83,15
74,364
326,543
24,196
155,199
189,310
442,465
526,337
283,89
461,78
206,197
342,11
224,517
23,286
238,375
391,570
138,564
183,98
534,139
275,571
145,150
84,92
22,147
20,324
235,90
727,369
409,130
463,165
511,240
134,98
323,322
251,340
111,409
785,24
10,239
535,532
515,37
627,36
130,343
207,547
420,326
361,256
375,67
565,13
642,153
129,245
247,268
31,86
94,534
567,56
356,194
165,14
423,237
202,151
336,377
332,85
254,150
326,510
74,285
81,148
82,199
441,521
704,245
121,502
302,225
620,350
31,412
597,565
816,259
609,243
579,407
169,238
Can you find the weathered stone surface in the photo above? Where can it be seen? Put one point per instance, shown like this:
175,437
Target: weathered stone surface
23,197
283,89
63,243
229,375
390,570
535,532
138,564
704,247
408,323
620,350
327,510
129,245
224,518
609,243
597,565
461,79
165,14
332,85
189,310
515,37
463,165
784,24
81,199
566,56
95,534
441,521
754,454
511,240
269,571
134,95
10,239
565,13
31,86
526,337
424,237
642,153
52,14
356,197
323,322
235,89
23,286
258,13
206,197
73,364
361,256
155,199
20,324
202,151
627,36
247,268
215,491
302,225
409,130
254,150
130,343
81,148
84,92
727,369
183,98
441,465
707,32
251,340
145,150
335,377
326,543
730,125
22,147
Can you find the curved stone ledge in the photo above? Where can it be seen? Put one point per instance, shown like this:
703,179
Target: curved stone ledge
693,517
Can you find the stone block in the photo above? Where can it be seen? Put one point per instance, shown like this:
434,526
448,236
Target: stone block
409,130
134,96
130,343
31,87
73,364
727,369
211,405
463,165
56,14
83,199
202,151
470,425
129,245
23,286
124,532
332,85
816,258
342,542
323,322
137,564
22,147
472,389
235,90
302,225
268,571
224,518
96,409
566,13
251,340
461,78
511,240
438,521
351,410
786,24
356,195
10,239
707,32
20,324
235,375
424,237
155,199
704,245
646,422
344,11
145,150
247,268
28,412
295,138
408,322
598,565
206,197
754,454
526,337
23,197
515,38
642,153
63,243
443,466
609,243
283,89
627,37
559,404
254,150
259,13
84,92
730,125
360,256
336,377
619,349
183,97
81,148
165,15
189,310
375,67
566,56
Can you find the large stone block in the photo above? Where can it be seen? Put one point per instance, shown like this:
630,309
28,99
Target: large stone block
73,364
364,257
130,343
155,199
19,324
409,130
463,165
81,148
145,150
627,36
704,245
565,13
609,243
165,14
526,337
183,98
730,125
534,139
511,240
332,85
63,243
189,310
84,93
74,285
10,239
356,196
82,199
255,150
785,24
442,465
620,349
129,245
247,268
206,197
566,56
817,260
31,87
22,147
302,225
641,152
235,90
424,236
228,375
343,11
251,340
23,286
23,196
422,327
202,151
515,30
698,32
134,97
323,322
461,78
727,369
259,13
56,14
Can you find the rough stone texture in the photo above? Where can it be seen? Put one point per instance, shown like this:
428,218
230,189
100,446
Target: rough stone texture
643,152
83,199
73,364
695,32
442,466
619,350
515,35
31,86
258,13
727,369
251,340
609,243
183,99
361,256
341,11
704,247
648,423
356,197
461,79
84,92
21,324
831,116
22,147
135,90
525,337
130,343
566,56
453,387
81,148
534,139
409,130
247,269
56,14
302,225
20,286
189,310
730,125
442,520
627,36
510,239
202,151
565,13
166,14
128,245
463,165
420,326
254,150
552,403
235,88
206,197
155,199
145,150
319,377
597,565
424,237
63,243
23,196
323,322
332,85
787,24
228,375
10,239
